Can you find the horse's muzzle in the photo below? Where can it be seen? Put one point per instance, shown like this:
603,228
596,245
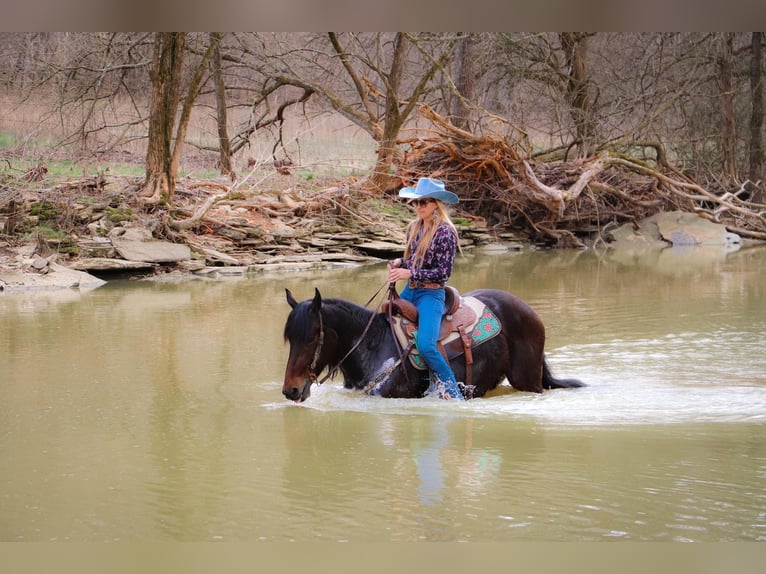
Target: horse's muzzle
298,394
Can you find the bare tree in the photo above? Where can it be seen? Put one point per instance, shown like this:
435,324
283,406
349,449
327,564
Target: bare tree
575,45
90,77
544,79
164,148
755,171
681,93
224,144
374,80
728,120
465,81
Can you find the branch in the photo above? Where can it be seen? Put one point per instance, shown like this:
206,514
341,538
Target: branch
560,197
358,84
200,213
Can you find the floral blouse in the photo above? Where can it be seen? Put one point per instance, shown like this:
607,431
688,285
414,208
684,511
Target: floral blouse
439,258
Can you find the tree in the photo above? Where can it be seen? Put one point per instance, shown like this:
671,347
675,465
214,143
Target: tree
574,45
465,78
755,171
543,79
224,144
374,80
163,154
728,119
397,106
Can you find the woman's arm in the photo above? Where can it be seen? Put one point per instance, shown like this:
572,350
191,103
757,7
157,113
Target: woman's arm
440,258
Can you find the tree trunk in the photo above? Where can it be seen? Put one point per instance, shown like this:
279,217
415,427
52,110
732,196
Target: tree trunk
191,95
464,82
165,75
755,172
224,144
384,128
164,150
574,45
726,91
13,217
388,153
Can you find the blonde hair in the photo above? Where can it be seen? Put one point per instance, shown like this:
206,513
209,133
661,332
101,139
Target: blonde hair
440,216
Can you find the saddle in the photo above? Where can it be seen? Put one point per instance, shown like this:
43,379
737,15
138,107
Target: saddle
406,309
467,322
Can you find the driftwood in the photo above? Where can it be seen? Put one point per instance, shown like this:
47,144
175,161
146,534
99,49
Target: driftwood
560,202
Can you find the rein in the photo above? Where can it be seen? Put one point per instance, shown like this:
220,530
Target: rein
392,294
333,370
315,359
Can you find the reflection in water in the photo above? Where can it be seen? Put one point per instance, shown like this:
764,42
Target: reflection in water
470,469
142,411
429,465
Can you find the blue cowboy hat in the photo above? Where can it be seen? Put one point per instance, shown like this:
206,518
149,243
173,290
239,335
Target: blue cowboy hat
429,188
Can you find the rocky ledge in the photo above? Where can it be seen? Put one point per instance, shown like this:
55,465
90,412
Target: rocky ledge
132,250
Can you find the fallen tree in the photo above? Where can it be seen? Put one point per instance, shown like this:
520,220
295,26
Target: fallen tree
562,202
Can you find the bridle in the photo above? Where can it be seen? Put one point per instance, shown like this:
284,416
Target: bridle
312,368
331,371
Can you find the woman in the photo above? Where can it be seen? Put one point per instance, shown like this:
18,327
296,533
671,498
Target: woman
429,255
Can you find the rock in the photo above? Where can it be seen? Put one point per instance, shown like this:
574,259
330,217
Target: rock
628,237
321,243
681,228
192,265
380,248
503,247
344,237
96,247
108,264
40,264
58,277
233,270
136,244
235,235
215,256
675,228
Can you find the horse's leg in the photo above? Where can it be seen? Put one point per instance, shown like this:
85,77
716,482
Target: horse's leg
525,371
402,385
524,336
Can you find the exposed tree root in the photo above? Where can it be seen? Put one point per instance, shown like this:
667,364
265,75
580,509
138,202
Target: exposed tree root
557,202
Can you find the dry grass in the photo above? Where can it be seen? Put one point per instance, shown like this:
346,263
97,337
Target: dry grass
32,132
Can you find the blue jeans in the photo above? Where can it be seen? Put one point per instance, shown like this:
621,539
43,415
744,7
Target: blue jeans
430,305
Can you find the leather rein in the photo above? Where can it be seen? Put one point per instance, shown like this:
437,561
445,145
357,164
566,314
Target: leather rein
331,371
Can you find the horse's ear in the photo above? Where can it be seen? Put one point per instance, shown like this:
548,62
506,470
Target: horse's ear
290,299
317,303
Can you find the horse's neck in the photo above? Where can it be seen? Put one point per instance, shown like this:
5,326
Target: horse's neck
350,321
361,330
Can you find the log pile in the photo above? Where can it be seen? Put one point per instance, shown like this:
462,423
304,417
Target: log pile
563,202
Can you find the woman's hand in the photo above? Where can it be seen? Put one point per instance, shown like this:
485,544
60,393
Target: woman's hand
396,273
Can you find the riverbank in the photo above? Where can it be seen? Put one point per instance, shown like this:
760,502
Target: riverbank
82,233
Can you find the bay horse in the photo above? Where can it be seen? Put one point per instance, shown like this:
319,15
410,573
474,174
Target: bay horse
337,334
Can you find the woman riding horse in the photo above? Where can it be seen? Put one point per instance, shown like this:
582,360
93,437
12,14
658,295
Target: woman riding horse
429,255
340,336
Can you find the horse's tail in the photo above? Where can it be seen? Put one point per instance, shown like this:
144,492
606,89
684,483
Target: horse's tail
551,382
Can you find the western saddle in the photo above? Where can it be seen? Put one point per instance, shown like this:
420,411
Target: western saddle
456,325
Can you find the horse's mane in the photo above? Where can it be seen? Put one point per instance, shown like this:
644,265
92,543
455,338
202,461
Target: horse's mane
298,325
348,309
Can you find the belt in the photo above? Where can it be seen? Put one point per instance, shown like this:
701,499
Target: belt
421,285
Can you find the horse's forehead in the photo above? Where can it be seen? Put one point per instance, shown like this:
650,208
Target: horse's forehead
300,320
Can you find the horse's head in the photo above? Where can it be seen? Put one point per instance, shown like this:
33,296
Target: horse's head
305,333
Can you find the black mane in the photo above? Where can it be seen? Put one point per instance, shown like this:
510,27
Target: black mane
335,311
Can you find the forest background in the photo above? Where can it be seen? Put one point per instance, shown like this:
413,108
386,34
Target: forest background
557,135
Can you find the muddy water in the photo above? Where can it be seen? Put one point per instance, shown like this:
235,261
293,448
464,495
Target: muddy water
152,411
